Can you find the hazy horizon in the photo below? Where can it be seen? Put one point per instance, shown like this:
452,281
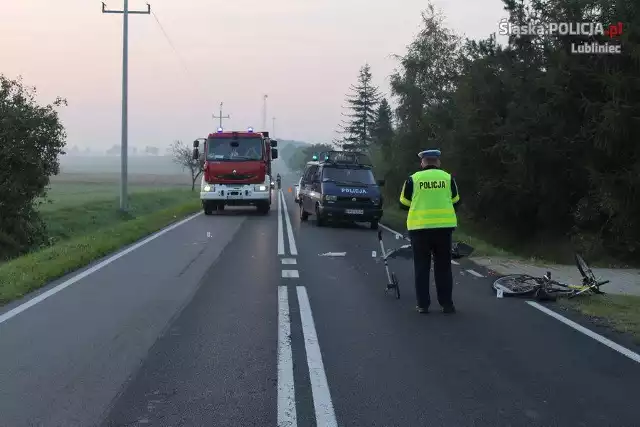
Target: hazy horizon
304,57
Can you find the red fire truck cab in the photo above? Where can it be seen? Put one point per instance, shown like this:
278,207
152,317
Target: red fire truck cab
237,169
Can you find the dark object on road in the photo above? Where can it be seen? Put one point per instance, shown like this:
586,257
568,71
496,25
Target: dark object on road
460,250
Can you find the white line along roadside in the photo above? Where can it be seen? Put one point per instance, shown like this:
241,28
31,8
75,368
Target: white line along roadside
617,347
287,416
22,307
325,414
280,230
292,243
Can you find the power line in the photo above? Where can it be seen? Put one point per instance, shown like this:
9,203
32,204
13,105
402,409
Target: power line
166,36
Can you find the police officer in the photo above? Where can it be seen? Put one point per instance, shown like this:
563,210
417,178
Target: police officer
430,195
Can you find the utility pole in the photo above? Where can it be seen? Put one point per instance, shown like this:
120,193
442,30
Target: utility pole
125,90
273,126
264,112
221,116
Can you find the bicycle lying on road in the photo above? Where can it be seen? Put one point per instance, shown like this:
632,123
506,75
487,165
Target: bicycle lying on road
458,250
546,289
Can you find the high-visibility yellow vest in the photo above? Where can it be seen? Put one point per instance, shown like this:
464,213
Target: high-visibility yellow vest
431,201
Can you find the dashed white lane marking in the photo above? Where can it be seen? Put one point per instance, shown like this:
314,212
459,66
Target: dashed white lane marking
475,273
325,414
333,254
289,261
290,274
455,262
622,350
280,229
287,416
292,243
43,296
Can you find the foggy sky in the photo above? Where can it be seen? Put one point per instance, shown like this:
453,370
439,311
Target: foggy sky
304,55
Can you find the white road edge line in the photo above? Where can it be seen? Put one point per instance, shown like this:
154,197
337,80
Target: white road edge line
292,243
22,307
280,229
287,416
475,273
325,414
290,274
617,347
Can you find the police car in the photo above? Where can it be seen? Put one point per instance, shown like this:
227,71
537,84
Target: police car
340,185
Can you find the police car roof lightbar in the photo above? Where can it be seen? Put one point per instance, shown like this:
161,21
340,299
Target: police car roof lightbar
345,158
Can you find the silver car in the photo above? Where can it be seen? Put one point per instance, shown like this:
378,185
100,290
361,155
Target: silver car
296,191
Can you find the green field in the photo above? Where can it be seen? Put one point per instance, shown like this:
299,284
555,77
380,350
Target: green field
84,223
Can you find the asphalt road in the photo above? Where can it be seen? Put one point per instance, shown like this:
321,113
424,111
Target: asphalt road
241,320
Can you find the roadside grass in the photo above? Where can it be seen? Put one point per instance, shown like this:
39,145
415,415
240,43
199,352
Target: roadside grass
85,224
68,218
25,274
619,312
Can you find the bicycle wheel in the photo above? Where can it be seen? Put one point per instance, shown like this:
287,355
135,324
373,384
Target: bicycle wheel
394,281
585,270
517,284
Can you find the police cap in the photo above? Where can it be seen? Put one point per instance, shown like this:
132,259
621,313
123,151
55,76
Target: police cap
429,154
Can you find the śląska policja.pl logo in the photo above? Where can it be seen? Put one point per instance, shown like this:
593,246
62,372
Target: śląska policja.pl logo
583,29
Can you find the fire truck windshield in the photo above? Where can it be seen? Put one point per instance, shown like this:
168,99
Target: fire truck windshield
227,149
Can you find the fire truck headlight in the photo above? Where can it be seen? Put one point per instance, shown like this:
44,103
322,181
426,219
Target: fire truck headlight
260,188
207,188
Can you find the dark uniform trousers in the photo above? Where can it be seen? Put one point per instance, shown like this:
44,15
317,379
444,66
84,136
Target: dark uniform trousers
425,242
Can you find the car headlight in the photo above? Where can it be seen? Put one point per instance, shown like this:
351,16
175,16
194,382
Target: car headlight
330,198
260,188
207,188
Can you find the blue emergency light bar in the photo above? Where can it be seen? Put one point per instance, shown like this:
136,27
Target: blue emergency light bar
220,130
250,130
346,158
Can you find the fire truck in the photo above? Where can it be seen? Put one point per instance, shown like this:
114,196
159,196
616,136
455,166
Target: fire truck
236,170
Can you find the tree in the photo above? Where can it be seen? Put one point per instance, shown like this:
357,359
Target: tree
114,150
298,160
543,142
382,129
362,103
153,151
31,139
183,156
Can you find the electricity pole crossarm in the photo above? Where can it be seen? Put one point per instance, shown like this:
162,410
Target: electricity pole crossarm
221,116
135,12
125,90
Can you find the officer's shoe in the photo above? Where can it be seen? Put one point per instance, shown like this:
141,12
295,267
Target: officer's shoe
422,310
449,309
